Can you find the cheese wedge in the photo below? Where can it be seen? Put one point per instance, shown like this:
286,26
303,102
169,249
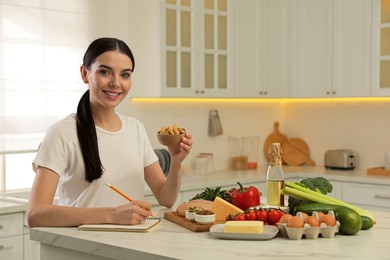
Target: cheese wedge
245,226
222,209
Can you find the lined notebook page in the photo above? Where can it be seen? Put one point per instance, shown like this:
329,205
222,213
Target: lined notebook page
142,227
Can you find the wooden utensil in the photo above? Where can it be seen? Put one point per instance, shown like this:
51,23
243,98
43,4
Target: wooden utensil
274,137
295,152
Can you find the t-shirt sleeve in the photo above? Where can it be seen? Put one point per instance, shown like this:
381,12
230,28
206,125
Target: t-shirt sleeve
55,149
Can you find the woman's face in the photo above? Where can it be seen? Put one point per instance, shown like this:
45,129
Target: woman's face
108,79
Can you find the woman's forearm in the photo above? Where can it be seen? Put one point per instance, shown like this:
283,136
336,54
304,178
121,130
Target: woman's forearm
54,215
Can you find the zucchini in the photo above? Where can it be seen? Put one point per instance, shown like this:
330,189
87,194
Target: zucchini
367,223
350,220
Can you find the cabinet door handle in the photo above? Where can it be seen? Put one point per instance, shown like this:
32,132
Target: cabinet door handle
382,197
1,227
1,247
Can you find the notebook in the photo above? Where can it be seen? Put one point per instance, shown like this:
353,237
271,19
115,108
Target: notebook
142,227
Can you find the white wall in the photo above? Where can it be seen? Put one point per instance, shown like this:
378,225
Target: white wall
362,126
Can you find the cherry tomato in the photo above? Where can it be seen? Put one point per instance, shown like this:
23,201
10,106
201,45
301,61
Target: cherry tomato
250,215
275,215
262,215
240,216
230,217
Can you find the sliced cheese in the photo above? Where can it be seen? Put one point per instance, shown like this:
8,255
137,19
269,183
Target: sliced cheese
246,226
222,209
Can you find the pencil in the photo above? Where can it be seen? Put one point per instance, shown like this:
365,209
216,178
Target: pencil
119,192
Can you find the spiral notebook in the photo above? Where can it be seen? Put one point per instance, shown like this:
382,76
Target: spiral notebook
142,227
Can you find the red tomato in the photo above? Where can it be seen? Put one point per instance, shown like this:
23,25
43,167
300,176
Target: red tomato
250,215
240,216
275,215
230,217
262,215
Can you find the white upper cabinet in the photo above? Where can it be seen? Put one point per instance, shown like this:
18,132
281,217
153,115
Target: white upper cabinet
333,48
263,48
196,48
381,48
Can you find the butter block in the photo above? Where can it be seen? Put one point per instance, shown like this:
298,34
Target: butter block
245,226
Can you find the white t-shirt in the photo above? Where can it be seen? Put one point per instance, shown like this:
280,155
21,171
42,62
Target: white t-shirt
124,155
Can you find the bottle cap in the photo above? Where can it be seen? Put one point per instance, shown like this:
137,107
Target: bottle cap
275,153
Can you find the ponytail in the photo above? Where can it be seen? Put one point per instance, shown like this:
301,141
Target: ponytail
86,133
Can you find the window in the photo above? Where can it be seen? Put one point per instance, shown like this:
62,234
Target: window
41,48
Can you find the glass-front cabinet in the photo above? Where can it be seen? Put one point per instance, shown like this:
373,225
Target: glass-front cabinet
196,53
381,48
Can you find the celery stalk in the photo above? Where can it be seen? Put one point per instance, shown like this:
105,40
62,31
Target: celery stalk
306,194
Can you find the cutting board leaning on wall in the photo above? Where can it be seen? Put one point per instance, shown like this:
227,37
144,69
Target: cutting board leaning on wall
295,151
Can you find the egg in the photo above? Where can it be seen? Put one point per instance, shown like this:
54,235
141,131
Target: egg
295,222
328,219
304,216
320,214
312,221
285,218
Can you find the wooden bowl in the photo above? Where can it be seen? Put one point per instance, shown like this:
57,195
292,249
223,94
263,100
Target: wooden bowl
169,140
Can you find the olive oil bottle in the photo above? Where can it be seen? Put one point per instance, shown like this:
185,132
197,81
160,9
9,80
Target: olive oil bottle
275,176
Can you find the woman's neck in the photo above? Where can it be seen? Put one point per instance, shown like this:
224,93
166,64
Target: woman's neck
108,120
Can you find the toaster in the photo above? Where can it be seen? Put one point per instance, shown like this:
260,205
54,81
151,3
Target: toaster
340,159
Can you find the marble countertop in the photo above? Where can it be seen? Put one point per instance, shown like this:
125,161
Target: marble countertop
169,240
8,205
191,181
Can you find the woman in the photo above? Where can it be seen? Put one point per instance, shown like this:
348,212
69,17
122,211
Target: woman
84,151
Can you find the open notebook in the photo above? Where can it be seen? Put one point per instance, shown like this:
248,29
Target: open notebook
142,227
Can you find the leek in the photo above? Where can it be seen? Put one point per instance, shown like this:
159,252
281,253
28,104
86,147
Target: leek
306,194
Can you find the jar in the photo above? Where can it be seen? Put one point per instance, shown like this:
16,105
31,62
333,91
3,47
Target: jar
243,152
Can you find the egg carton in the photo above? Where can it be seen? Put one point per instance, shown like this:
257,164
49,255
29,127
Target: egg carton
309,232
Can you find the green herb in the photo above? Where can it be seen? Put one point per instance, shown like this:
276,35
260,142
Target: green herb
210,194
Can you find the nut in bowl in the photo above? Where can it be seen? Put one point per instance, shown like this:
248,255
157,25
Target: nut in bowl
171,135
205,217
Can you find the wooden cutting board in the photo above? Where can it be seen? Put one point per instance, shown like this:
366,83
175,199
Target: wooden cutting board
378,171
193,226
274,137
295,152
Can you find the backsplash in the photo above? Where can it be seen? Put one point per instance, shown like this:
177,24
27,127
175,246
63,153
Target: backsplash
363,127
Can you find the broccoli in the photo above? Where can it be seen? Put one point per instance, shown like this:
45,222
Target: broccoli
319,184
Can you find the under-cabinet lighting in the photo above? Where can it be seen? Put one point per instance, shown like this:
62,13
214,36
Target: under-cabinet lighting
260,100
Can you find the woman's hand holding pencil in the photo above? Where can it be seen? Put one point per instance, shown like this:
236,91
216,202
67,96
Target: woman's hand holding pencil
142,204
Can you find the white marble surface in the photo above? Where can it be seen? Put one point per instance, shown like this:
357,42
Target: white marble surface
9,205
172,241
191,181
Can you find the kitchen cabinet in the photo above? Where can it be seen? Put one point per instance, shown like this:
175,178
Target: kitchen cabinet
368,196
185,48
11,236
333,48
197,51
263,63
380,48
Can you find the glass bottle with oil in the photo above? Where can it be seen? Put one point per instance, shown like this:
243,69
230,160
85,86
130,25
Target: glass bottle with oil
275,176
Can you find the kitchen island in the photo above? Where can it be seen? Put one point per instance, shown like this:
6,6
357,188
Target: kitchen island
170,241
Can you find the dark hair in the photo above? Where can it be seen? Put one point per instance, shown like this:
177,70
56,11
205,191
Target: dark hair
86,130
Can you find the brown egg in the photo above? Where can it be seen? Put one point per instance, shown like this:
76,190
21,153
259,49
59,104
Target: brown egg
312,221
295,222
320,214
328,219
304,216
285,218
